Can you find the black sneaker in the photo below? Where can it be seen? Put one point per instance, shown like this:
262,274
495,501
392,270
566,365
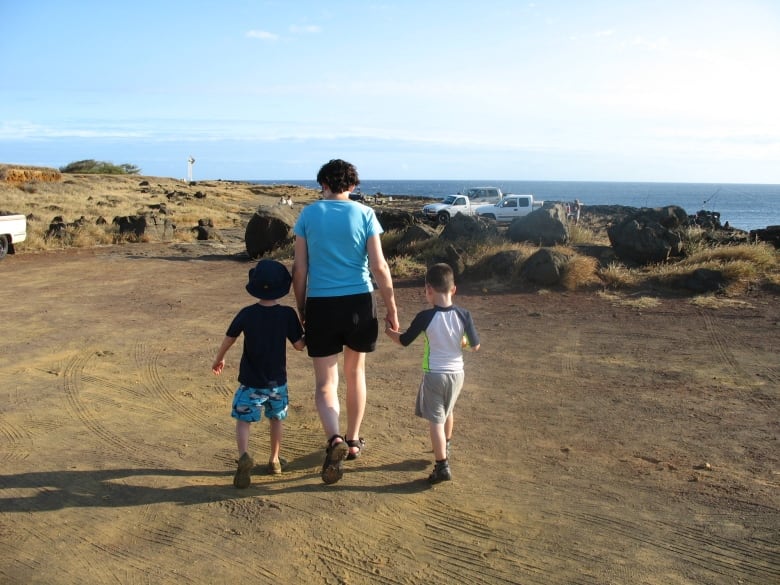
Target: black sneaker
441,472
243,477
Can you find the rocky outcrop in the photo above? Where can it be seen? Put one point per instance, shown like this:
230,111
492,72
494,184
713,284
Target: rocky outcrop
770,234
649,235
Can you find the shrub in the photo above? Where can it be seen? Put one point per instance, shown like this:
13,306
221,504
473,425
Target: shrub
96,167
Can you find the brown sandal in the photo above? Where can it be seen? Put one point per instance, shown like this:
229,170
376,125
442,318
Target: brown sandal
358,444
332,468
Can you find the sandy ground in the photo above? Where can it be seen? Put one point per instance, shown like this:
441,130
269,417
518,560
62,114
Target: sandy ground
595,442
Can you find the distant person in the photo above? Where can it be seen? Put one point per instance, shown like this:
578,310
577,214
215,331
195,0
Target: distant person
577,210
262,375
337,249
447,328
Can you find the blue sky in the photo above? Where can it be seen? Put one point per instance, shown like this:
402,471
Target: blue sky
676,90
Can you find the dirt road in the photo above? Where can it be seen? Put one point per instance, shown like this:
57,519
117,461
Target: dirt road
595,442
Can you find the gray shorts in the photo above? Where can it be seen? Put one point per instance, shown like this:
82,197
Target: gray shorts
437,396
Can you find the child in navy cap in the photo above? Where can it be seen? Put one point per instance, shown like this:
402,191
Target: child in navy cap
262,375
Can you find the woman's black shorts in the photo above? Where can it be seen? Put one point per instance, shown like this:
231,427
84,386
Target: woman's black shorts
333,322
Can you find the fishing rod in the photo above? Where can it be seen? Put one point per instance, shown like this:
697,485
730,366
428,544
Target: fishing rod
711,197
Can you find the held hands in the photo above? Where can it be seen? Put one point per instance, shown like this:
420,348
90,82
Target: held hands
391,321
393,334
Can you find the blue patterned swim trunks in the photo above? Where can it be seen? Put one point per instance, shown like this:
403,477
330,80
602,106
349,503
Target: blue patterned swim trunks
248,403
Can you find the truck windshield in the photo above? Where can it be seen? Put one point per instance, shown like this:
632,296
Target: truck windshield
449,200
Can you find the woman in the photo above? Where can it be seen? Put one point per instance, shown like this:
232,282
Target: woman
337,249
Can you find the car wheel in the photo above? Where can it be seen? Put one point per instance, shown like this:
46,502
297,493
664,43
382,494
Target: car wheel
444,217
3,246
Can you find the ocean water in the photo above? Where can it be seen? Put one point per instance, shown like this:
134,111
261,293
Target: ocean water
746,207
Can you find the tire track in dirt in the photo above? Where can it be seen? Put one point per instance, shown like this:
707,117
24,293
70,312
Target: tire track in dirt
18,559
693,547
199,545
15,442
461,546
718,342
72,385
451,535
148,362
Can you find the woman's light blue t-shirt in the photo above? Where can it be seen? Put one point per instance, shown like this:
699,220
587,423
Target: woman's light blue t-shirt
337,234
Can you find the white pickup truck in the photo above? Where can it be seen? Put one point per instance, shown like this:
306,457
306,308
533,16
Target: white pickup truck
462,203
510,207
13,229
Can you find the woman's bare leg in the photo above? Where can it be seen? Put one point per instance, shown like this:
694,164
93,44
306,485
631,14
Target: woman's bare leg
355,376
326,397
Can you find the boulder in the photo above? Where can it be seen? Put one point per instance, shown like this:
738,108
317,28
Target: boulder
770,234
452,256
415,233
131,224
394,219
604,255
269,228
465,227
501,265
57,228
546,227
649,235
205,230
702,280
709,220
545,266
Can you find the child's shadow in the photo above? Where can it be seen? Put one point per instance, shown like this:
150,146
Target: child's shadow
55,490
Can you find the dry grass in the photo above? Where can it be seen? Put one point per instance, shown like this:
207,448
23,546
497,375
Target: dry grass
406,267
617,276
227,204
639,302
579,235
741,266
761,255
579,272
719,302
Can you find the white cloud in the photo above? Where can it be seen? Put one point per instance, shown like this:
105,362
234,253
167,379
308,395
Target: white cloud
308,29
263,35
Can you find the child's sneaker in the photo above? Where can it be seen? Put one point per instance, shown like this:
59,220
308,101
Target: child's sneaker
243,477
441,472
276,467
